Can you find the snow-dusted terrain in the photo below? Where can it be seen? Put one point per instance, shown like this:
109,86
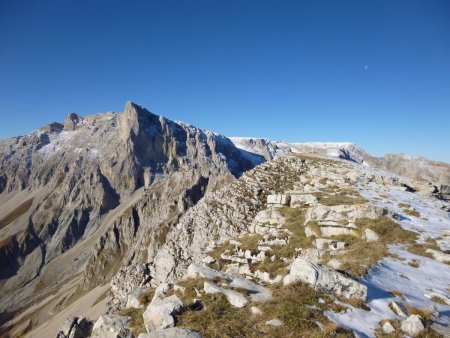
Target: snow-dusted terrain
417,284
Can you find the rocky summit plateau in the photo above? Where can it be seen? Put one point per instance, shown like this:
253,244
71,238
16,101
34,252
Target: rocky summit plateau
128,224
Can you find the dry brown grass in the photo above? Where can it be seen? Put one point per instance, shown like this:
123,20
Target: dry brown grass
438,300
408,210
397,294
420,249
136,320
218,250
136,315
414,264
220,319
361,255
342,196
249,242
277,267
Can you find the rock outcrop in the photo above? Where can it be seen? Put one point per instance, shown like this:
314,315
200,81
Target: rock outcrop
161,312
173,332
111,326
325,279
89,196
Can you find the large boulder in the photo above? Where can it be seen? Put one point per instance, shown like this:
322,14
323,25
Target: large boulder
75,327
323,278
160,314
412,325
423,188
173,332
339,214
279,200
444,192
111,326
134,298
71,121
300,199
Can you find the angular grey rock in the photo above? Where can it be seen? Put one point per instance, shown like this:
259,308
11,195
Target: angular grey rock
320,277
371,236
256,311
274,322
75,327
258,293
279,199
399,309
134,298
333,215
126,287
111,326
308,199
412,325
160,314
234,298
334,264
173,332
388,328
71,121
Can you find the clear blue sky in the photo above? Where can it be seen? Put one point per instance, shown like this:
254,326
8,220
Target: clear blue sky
376,73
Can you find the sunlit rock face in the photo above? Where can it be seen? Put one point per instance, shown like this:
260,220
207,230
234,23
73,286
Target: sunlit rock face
83,197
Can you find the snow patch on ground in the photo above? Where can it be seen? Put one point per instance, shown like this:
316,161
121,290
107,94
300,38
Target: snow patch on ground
416,284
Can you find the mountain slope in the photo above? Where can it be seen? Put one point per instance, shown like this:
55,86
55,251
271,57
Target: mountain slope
100,208
79,199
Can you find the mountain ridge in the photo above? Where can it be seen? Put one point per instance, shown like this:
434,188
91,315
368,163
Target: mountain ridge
110,197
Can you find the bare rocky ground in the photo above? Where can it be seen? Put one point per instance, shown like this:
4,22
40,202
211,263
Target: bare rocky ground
190,243
300,247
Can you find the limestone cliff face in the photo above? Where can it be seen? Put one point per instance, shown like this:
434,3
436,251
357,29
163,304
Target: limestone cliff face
79,199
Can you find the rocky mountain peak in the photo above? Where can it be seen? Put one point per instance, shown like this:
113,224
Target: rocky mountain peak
71,121
106,207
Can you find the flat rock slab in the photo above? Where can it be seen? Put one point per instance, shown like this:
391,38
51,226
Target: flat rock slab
173,332
258,293
323,278
234,298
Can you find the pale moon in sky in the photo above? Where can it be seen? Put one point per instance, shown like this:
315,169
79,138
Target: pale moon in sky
366,67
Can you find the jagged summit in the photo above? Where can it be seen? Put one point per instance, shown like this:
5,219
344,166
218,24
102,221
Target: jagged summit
68,189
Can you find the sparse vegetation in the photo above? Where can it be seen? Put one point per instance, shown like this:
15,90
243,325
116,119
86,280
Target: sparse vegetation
342,197
438,300
414,264
220,319
136,315
408,210
420,248
136,320
397,294
361,255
